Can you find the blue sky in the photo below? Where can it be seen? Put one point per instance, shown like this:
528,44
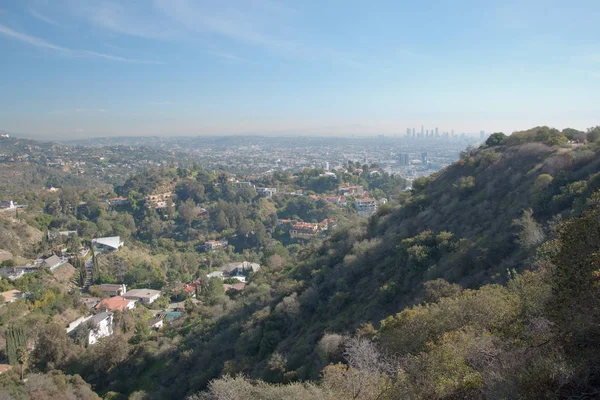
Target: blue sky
80,68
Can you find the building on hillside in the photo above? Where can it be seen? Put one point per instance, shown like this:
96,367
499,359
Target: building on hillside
144,296
73,325
118,201
10,296
111,243
304,230
7,205
56,234
191,288
337,200
112,289
351,191
115,303
102,326
266,192
53,262
365,207
236,286
239,268
240,185
11,273
211,245
216,274
155,323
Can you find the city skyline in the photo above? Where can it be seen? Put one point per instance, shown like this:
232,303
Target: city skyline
180,67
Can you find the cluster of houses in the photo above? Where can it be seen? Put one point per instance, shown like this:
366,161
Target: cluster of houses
118,298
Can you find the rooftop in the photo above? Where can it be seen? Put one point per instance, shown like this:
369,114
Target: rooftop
11,295
114,303
142,293
101,317
112,241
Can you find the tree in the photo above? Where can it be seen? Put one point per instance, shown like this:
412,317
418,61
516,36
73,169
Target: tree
187,212
495,139
23,358
212,289
141,332
530,232
221,222
53,348
593,134
15,339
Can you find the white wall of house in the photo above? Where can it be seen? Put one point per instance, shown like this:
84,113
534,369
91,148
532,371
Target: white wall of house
104,329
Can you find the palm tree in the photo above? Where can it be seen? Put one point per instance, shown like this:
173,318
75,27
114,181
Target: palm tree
23,358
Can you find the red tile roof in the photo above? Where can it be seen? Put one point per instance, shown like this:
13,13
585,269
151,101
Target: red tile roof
113,303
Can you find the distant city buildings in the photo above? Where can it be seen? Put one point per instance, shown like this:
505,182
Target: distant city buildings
404,160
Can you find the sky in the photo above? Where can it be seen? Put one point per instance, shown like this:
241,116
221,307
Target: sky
89,68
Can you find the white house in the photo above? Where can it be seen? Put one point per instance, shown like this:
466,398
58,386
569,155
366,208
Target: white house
54,262
102,327
7,205
11,273
73,325
215,274
145,296
155,323
108,243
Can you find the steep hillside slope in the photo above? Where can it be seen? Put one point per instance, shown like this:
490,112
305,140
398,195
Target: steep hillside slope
472,224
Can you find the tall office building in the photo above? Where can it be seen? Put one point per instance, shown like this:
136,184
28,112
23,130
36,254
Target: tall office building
414,132
482,135
437,132
422,130
424,157
326,165
404,159
407,132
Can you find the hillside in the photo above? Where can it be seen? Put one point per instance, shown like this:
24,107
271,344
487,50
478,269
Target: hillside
16,235
472,224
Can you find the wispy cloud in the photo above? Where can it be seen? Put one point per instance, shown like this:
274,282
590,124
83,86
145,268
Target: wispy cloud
36,14
243,22
78,111
65,51
161,103
229,57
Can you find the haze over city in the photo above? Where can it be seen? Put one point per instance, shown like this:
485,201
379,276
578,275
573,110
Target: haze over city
74,69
